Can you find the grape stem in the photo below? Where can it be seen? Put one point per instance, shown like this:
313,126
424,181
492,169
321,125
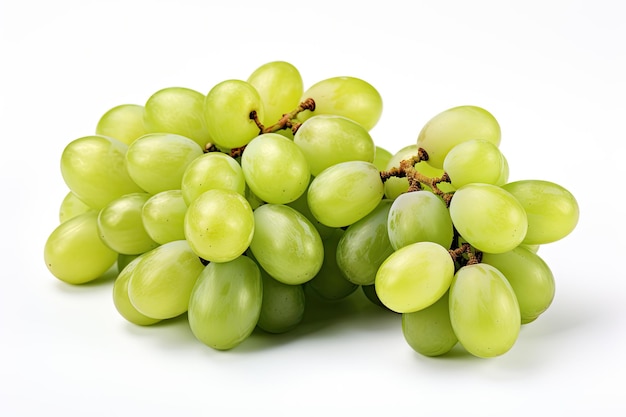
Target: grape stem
417,179
287,121
473,256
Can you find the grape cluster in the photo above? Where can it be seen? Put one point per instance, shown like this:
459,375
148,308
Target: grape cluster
236,206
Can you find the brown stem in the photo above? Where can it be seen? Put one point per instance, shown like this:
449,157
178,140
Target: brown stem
473,256
287,120
417,179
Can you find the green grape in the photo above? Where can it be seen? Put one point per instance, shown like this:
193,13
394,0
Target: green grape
300,204
123,260
419,216
326,140
280,87
476,160
124,123
94,169
212,170
252,198
162,281
370,294
121,300
219,225
381,158
157,161
74,252
532,248
330,283
227,110
453,126
225,303
163,216
365,246
504,174
121,226
529,276
350,97
283,305
286,244
345,193
275,169
552,210
177,110
71,206
488,217
414,277
429,331
484,311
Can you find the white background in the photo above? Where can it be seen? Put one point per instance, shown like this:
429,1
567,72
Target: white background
553,74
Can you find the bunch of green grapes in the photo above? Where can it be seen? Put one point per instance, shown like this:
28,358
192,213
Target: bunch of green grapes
238,205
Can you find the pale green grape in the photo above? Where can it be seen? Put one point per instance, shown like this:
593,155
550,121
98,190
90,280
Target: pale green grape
71,206
124,123
381,158
161,282
330,283
326,140
283,305
419,216
121,300
177,110
227,109
453,126
350,97
488,217
225,303
345,193
475,160
484,311
301,205
275,169
212,170
93,167
280,87
74,252
429,331
529,276
286,244
552,210
163,216
365,246
157,161
414,277
121,226
219,225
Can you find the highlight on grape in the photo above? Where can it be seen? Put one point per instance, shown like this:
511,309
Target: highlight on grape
237,206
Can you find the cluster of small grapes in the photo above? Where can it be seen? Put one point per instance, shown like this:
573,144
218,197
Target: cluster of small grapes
236,206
